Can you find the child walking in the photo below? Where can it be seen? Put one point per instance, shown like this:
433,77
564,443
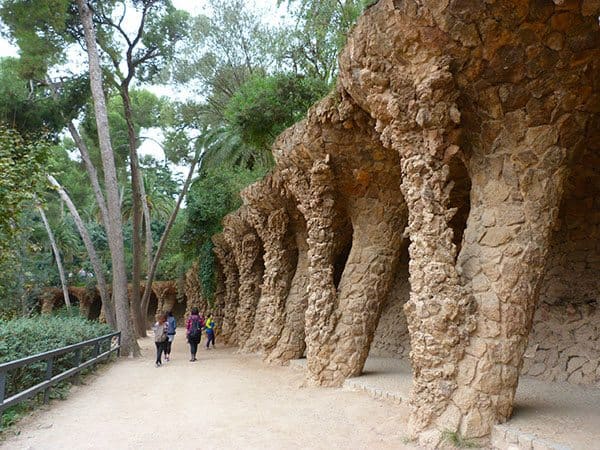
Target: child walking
210,331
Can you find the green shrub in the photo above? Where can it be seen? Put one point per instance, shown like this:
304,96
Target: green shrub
24,337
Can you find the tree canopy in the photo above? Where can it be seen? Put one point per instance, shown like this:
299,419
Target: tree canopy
235,80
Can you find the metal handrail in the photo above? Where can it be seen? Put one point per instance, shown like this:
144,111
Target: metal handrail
48,357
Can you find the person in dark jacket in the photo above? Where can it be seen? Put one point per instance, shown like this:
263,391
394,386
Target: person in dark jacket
193,327
171,327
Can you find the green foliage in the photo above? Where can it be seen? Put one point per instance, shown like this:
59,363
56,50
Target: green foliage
21,164
207,273
28,106
320,33
455,439
265,106
24,337
225,47
211,197
146,108
40,30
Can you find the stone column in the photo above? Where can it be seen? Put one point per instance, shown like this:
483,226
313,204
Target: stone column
219,302
315,201
193,291
291,344
269,321
515,202
226,259
247,250
365,282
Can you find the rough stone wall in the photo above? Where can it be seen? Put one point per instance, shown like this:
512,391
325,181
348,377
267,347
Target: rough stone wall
511,88
564,344
391,338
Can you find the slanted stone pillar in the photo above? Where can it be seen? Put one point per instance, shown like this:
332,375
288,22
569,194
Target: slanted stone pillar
316,202
219,300
227,262
339,173
166,293
266,213
247,250
193,291
378,224
291,343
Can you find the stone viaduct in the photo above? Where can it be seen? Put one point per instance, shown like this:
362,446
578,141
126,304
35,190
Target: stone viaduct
442,204
177,296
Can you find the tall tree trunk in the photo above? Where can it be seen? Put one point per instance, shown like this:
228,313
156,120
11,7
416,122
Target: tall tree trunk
139,320
148,227
114,225
165,235
85,156
89,246
61,271
91,170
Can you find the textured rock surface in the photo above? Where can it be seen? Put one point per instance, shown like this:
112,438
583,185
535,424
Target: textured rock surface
193,291
229,297
391,338
473,129
247,252
268,216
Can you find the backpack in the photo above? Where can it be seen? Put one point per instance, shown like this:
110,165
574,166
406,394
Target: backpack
160,333
195,328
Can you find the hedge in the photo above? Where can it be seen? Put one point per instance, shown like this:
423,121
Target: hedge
29,336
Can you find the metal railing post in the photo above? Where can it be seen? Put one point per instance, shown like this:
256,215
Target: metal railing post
2,392
49,364
2,385
119,343
77,378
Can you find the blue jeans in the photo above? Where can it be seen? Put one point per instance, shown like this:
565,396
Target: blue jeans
210,336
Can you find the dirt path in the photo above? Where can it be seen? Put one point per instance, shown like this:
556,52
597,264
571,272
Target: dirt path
223,401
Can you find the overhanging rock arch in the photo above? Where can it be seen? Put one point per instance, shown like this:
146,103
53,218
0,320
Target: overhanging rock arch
511,89
441,82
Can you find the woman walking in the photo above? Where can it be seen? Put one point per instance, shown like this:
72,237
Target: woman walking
160,336
171,327
194,327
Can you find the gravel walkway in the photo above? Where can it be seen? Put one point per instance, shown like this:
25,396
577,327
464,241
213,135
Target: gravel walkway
223,401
